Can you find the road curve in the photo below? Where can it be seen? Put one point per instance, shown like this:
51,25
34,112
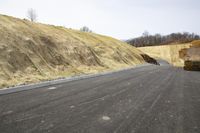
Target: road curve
150,99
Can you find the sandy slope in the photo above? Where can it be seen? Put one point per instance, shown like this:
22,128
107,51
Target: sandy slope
191,56
30,52
193,53
169,53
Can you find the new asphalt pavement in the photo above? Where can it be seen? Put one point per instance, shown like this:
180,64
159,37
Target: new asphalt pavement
147,99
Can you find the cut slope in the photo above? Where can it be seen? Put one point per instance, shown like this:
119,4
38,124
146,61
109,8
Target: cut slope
193,53
169,53
31,52
196,43
191,56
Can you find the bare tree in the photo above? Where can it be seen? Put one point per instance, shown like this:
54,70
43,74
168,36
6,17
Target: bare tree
32,15
145,34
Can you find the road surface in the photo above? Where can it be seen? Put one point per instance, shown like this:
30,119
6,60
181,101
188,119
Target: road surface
150,99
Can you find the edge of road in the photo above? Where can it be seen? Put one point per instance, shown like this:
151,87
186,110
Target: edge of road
62,80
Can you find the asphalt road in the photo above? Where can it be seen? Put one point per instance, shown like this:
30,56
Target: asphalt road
150,99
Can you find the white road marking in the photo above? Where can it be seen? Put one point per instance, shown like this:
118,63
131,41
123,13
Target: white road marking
106,118
72,106
8,112
155,101
52,88
129,100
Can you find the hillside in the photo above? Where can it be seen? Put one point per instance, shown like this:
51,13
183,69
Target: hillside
169,53
31,52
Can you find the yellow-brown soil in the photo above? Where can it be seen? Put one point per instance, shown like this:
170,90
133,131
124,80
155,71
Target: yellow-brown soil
169,53
191,56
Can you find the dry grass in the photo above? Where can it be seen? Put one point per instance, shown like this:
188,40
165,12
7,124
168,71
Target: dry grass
169,53
31,52
196,43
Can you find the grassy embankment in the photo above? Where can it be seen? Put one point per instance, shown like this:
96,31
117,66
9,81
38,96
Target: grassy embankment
32,52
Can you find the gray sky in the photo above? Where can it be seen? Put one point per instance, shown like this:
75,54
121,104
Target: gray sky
122,19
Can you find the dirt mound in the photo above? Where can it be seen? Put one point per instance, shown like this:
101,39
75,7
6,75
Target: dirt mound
192,65
149,59
196,43
192,53
191,56
170,53
31,52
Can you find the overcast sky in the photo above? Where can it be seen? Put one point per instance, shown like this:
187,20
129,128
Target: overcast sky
122,19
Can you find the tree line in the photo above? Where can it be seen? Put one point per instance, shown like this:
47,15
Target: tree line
154,40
